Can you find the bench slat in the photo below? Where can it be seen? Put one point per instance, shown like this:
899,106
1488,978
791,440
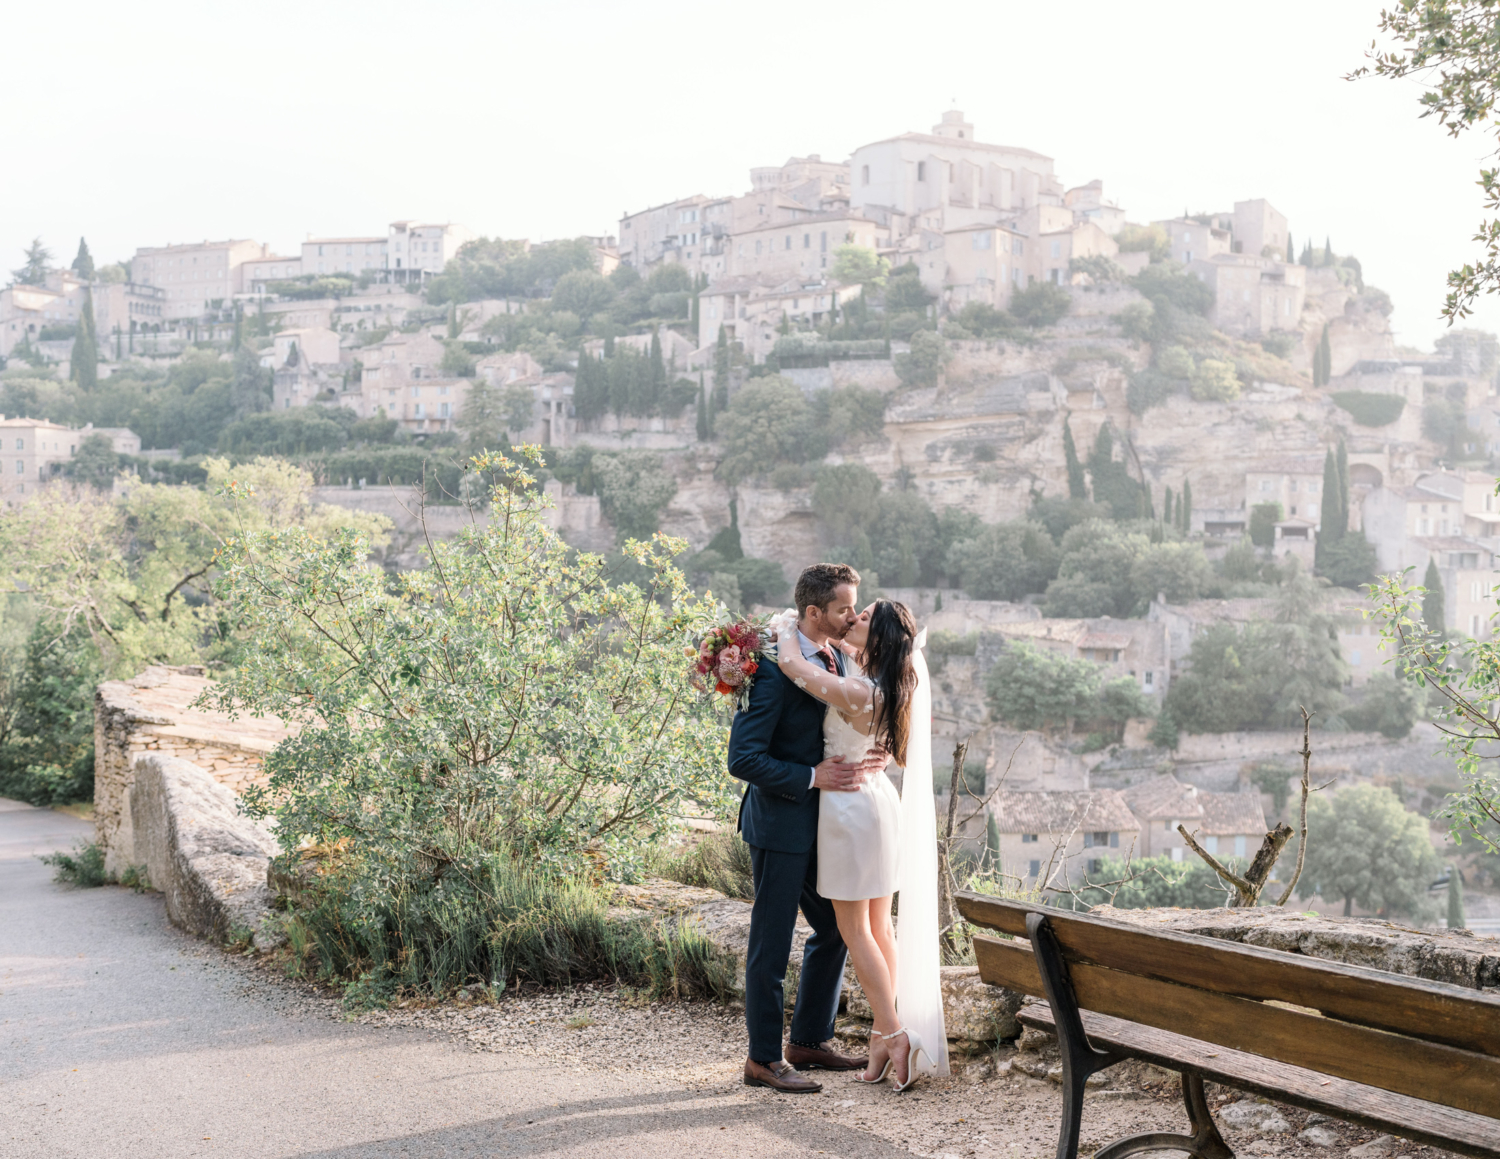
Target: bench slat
1454,1130
1377,1058
1434,1011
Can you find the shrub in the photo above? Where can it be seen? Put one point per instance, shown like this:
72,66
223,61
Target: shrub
1167,285
1004,561
1036,688
1389,706
719,860
1263,520
84,867
1370,410
1215,381
507,695
1135,320
1148,388
498,922
1150,239
768,422
1348,562
929,354
633,488
1175,362
1151,882
1043,304
1280,343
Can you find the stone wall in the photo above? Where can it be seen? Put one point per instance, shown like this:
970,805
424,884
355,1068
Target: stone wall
152,715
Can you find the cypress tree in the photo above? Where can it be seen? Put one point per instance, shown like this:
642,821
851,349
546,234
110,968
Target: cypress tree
937,604
1323,360
658,373
452,320
1330,510
702,409
992,844
1290,254
693,315
1432,600
721,375
1456,918
83,264
1342,459
1077,487
1327,251
1185,509
609,343
83,366
1166,509
1306,258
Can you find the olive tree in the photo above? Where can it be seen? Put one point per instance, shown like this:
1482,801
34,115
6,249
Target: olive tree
506,697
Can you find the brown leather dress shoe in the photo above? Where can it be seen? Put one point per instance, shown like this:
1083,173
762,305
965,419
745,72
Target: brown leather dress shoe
825,1056
779,1076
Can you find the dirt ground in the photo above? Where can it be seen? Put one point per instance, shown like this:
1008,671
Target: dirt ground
994,1104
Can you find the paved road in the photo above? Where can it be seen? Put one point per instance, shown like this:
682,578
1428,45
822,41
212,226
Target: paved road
121,1038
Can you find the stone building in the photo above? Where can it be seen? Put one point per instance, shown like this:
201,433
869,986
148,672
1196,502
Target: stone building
1252,294
195,275
1225,824
1052,840
403,376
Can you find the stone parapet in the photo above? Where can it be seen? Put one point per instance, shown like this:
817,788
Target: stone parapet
152,714
208,860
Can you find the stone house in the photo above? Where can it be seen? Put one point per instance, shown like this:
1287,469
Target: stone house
1252,294
1140,649
403,377
984,263
1191,239
1260,230
802,248
1051,839
195,275
1225,824
1088,204
1295,483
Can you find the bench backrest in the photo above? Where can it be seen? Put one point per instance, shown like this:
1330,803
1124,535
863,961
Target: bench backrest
1430,1040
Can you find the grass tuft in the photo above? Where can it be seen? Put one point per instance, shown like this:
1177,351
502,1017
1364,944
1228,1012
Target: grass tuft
83,868
718,861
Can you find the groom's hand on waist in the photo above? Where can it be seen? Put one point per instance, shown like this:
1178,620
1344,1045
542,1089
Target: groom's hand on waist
839,775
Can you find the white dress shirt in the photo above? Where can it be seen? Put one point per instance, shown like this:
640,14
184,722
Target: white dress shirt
809,653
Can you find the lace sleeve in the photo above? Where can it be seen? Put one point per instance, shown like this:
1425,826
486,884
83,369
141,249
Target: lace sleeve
853,697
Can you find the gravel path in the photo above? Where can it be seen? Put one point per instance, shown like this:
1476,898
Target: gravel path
123,1038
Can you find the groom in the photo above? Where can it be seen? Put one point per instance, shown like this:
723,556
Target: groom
776,745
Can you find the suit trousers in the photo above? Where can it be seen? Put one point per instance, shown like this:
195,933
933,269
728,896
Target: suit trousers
783,883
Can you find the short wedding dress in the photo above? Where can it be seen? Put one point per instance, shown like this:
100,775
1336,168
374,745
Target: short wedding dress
859,834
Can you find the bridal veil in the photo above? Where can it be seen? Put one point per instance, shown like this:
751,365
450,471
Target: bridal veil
919,987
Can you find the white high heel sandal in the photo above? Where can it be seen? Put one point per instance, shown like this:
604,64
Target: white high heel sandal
889,1062
915,1044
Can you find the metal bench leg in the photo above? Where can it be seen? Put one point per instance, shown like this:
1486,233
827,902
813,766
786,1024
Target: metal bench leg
1079,1059
1204,1143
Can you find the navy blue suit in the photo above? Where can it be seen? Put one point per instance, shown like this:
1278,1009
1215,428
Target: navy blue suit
773,745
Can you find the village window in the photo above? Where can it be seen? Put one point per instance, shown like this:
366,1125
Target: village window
1017,246
807,241
444,410
1239,845
20,467
420,411
1150,680
1474,625
757,249
981,239
1028,838
1035,869
864,175
1057,249
1096,865
921,170
788,241
20,444
823,246
1166,826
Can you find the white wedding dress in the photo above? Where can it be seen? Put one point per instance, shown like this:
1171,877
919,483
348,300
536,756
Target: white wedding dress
859,834
877,842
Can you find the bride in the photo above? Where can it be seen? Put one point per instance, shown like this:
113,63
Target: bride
872,842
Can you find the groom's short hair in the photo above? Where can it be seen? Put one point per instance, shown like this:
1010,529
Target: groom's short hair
816,584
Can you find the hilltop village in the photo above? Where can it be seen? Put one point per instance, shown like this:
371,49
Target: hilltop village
1050,428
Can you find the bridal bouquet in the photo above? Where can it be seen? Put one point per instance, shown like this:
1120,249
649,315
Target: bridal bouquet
729,657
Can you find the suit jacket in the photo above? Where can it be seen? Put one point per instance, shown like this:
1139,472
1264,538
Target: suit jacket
773,745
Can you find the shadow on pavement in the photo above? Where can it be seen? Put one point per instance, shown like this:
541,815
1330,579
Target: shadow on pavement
684,1124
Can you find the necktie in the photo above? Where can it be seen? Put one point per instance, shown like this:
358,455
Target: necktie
828,662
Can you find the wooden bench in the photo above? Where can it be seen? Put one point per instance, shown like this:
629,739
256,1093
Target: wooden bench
1416,1058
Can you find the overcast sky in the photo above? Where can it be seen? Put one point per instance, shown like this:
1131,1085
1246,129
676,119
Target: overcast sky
167,122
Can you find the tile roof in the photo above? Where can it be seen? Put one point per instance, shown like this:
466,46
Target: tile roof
1227,814
1164,798
1062,811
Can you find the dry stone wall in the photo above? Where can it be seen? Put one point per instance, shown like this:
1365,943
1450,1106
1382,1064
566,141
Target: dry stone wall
152,715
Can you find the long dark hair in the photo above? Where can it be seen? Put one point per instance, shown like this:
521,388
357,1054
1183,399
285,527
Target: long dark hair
887,660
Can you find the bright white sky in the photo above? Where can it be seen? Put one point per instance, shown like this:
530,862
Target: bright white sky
173,121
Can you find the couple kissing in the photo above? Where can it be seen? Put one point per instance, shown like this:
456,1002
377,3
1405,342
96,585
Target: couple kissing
847,699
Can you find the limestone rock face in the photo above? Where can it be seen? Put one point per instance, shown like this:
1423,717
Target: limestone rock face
207,859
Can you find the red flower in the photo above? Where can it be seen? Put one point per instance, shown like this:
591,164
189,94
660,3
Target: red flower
750,667
725,689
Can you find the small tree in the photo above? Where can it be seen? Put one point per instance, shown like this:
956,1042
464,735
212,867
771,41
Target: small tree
1185,508
1077,485
1365,847
991,843
1040,305
929,354
1036,688
1433,614
1456,918
83,264
38,263
83,365
855,265
1323,360
703,426
1214,381
1263,520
